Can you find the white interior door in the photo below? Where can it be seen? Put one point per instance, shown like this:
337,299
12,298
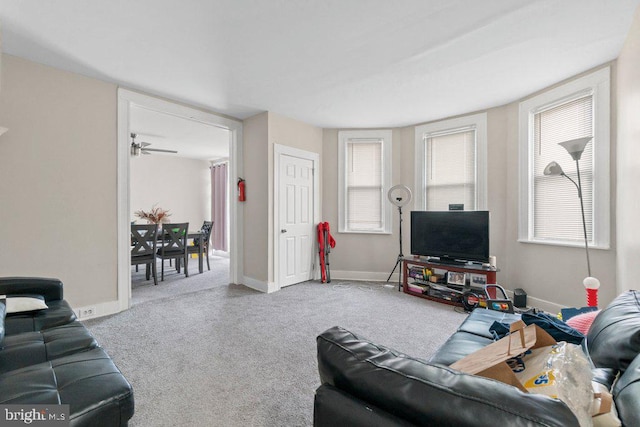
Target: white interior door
296,222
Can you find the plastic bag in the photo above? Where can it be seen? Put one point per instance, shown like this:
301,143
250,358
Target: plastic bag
560,371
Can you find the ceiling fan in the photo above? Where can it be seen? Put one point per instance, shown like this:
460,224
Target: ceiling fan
141,148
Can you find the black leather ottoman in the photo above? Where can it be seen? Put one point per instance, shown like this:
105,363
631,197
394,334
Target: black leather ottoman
98,394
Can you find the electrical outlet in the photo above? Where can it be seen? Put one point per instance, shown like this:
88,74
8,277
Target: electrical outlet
87,312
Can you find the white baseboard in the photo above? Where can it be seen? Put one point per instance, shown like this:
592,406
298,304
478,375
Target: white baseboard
259,285
370,276
221,254
540,304
97,310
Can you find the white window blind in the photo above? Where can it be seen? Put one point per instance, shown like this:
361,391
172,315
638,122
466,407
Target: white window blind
549,207
450,160
364,178
556,206
364,185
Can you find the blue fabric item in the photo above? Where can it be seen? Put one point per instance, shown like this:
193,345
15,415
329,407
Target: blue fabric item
499,330
555,327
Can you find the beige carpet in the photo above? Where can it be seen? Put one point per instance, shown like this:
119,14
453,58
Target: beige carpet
143,290
231,356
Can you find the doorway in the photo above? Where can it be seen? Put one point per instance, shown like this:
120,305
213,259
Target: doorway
297,211
127,101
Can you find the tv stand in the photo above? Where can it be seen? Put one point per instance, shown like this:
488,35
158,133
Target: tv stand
448,261
442,292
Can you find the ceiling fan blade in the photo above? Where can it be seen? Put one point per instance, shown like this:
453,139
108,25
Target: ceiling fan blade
145,144
144,152
159,150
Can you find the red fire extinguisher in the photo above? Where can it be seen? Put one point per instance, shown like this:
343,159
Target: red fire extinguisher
241,193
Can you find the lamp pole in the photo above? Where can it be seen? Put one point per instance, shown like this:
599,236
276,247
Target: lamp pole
584,222
575,147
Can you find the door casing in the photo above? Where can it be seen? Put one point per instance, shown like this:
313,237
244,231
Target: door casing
315,158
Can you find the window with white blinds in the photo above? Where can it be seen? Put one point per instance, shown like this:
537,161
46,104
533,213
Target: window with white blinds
365,170
556,206
451,164
549,205
451,170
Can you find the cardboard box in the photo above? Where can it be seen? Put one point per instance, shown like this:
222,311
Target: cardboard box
491,361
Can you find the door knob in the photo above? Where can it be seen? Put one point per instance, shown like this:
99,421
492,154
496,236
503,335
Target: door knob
283,230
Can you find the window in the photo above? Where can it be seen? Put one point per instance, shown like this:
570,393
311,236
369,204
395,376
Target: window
365,176
451,164
550,207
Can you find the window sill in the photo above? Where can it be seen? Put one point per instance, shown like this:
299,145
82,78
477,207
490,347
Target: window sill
364,232
565,244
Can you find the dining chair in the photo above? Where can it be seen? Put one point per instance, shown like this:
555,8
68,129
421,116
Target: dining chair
143,248
174,246
201,243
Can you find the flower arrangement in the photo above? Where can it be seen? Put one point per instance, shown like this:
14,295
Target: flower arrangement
155,216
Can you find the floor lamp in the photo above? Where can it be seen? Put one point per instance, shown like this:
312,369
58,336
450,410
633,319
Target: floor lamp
575,148
399,195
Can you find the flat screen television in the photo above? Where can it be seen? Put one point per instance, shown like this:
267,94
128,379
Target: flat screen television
452,236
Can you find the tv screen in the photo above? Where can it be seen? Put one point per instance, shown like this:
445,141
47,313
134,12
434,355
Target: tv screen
451,235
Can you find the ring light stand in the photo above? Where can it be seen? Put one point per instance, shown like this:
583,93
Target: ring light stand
399,195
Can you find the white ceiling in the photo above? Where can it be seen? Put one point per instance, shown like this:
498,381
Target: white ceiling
331,63
190,138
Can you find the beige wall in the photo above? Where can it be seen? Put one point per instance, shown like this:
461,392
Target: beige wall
261,133
256,251
58,189
547,273
58,179
292,133
364,256
370,256
181,185
628,158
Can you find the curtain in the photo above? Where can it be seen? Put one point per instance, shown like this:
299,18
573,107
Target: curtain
219,206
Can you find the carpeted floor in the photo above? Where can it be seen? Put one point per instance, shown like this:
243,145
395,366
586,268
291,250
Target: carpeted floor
143,290
231,356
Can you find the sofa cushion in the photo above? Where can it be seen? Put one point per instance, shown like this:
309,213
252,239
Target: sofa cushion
626,393
97,393
428,394
480,320
614,337
30,348
459,345
59,313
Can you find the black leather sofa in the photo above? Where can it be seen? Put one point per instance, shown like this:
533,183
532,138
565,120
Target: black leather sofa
49,357
366,384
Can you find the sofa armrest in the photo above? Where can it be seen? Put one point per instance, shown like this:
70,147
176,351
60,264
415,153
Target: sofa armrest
626,392
604,376
50,289
428,394
333,407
